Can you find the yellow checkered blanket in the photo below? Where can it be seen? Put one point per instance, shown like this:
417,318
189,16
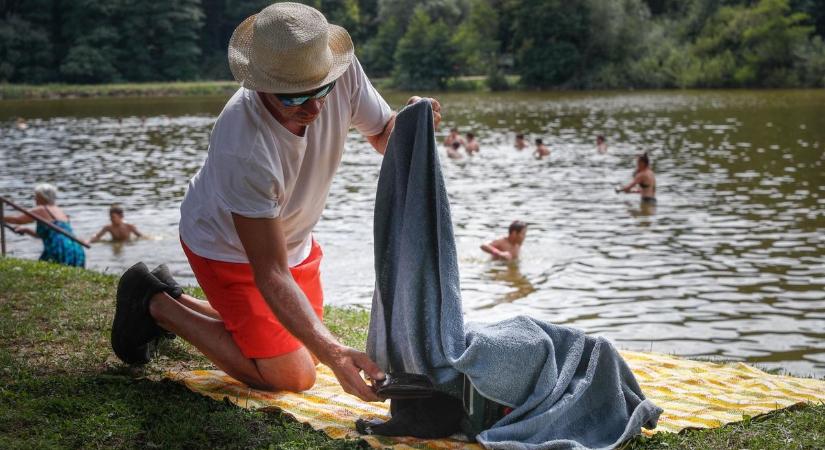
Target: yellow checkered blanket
693,394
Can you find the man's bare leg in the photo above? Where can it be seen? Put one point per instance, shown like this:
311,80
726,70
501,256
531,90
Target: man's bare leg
294,371
200,306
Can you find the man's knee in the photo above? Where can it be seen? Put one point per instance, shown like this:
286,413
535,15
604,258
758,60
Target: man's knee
297,375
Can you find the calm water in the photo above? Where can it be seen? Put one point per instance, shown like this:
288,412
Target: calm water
730,265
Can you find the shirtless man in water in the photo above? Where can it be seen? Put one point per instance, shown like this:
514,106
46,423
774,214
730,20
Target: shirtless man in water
521,143
644,178
471,144
507,248
119,229
541,150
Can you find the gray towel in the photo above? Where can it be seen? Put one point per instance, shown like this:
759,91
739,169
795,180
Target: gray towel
568,390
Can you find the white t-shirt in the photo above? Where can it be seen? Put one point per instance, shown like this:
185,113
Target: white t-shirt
257,168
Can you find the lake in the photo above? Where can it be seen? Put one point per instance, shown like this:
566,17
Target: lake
729,265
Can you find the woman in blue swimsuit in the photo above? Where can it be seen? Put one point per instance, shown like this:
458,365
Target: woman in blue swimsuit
57,247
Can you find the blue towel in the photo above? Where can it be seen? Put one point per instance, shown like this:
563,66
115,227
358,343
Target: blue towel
567,389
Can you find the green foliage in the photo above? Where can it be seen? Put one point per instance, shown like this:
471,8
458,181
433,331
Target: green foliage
425,56
811,63
25,51
549,37
741,46
378,54
547,43
477,48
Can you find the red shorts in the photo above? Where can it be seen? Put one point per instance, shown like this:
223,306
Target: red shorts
230,289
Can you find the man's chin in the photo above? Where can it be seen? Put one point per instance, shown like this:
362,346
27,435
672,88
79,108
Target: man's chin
305,121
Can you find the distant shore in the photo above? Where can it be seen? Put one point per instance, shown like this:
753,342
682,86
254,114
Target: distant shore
153,89
184,88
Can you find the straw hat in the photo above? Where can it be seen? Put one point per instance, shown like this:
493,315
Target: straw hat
288,48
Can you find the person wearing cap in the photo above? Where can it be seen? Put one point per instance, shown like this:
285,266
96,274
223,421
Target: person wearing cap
248,214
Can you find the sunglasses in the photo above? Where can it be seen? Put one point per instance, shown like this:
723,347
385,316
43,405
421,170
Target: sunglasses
298,100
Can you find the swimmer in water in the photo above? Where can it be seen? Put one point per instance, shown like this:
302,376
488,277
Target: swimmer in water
508,247
601,144
645,178
541,150
471,144
521,143
454,152
452,138
118,228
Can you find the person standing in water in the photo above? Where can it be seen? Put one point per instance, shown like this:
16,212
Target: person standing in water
508,247
521,143
601,144
57,247
541,150
118,228
471,144
645,178
454,151
453,138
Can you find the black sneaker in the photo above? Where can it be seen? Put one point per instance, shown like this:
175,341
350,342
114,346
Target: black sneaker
174,290
163,274
134,331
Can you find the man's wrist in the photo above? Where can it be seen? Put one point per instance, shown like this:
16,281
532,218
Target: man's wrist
329,350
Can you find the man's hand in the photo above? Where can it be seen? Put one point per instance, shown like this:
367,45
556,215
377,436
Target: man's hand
379,141
436,108
347,364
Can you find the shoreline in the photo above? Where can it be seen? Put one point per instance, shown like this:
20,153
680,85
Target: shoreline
60,91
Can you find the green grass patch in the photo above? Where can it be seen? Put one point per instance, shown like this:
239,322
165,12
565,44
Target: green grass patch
172,88
61,386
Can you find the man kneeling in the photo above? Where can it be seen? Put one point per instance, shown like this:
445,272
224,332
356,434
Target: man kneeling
248,214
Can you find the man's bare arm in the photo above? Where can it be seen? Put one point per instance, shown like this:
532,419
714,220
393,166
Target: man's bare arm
134,230
629,186
265,246
99,234
379,141
491,249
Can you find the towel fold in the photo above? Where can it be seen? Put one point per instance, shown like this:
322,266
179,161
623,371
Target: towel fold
567,389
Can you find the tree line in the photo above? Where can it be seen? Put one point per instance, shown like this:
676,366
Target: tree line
429,44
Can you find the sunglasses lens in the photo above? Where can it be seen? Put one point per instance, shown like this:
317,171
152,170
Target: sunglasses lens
298,101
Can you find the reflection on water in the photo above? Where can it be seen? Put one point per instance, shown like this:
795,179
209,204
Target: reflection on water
508,277
729,264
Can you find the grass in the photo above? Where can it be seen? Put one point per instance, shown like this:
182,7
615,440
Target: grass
60,385
184,88
171,88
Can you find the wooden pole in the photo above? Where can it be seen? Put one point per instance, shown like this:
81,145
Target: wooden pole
2,233
48,224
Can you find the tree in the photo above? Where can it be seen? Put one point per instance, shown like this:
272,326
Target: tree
742,46
25,52
425,54
379,52
475,39
548,36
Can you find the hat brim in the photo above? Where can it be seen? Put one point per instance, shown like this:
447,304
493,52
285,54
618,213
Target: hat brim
240,46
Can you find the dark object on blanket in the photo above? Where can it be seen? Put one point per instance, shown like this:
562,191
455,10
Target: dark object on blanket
437,416
480,413
402,385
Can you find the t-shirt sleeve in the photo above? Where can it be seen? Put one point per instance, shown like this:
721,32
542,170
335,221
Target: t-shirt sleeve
370,112
247,188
